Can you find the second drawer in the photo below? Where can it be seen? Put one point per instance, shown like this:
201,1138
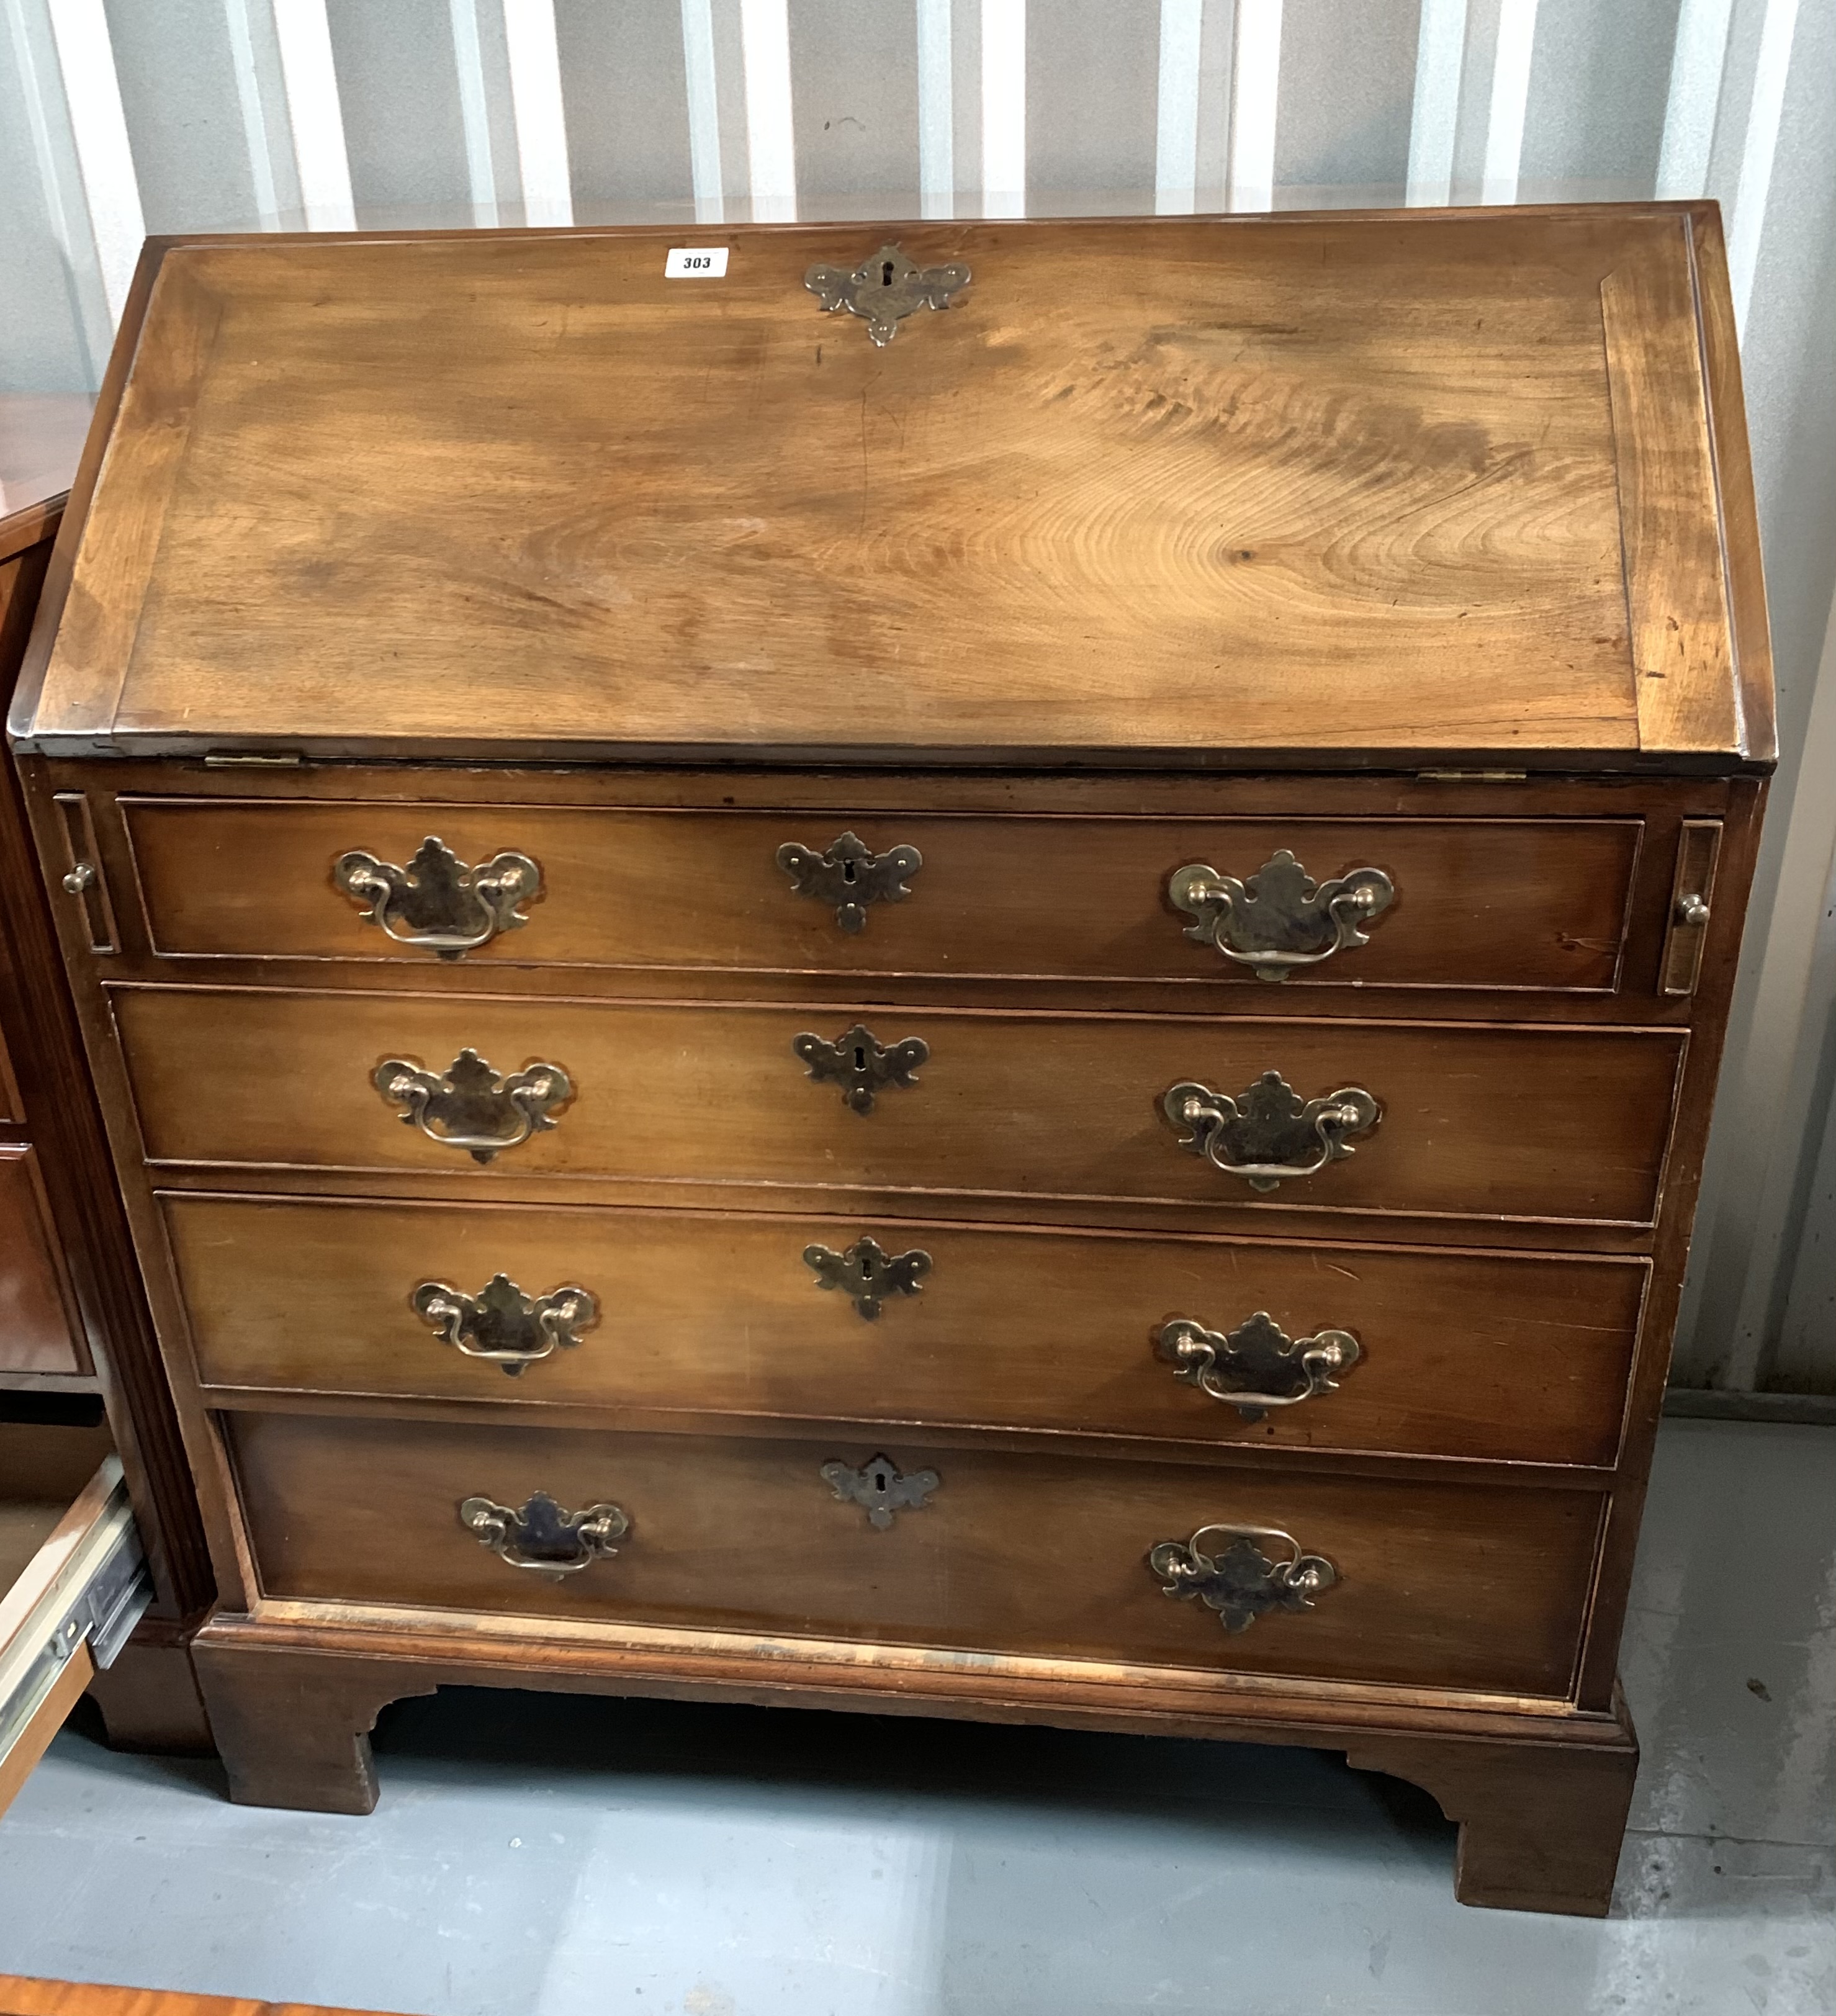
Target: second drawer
1520,1358
1444,1120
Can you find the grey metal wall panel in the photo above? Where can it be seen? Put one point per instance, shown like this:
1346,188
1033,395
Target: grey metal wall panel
398,91
1770,1124
54,322
854,78
1217,49
1092,88
729,71
178,91
1348,92
1599,84
966,102
626,88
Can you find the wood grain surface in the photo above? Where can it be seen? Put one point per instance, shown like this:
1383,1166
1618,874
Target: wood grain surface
1191,485
1512,904
1441,1585
1465,1355
1525,1123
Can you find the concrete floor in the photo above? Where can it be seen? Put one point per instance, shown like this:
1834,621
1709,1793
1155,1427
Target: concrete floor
573,1857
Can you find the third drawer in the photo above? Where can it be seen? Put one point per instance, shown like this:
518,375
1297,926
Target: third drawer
1506,1357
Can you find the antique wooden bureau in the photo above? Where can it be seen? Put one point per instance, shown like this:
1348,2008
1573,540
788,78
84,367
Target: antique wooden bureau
964,969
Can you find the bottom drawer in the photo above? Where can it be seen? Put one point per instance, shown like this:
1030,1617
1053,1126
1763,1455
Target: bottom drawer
1436,1585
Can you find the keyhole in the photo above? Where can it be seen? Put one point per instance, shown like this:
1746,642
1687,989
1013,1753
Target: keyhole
886,273
866,1268
880,1480
847,871
860,1058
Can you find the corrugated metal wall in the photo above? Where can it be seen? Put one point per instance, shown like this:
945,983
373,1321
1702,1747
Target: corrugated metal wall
118,117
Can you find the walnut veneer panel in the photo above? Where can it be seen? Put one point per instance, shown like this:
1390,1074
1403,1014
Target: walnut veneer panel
1512,1358
1441,1585
1162,485
1505,903
1478,1122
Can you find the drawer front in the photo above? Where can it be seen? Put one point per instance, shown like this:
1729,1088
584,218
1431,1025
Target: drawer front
1444,1586
37,1333
1538,904
1450,1354
1542,1123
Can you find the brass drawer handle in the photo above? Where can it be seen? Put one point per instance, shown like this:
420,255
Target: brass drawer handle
1256,1366
503,1325
544,1537
1239,1581
1269,1134
879,1488
1278,920
867,1273
851,875
468,1106
437,904
860,1064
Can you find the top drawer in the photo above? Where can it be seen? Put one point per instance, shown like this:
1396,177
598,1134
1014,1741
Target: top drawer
1496,904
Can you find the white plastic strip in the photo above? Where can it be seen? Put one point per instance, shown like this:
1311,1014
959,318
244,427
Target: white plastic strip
1433,126
1003,108
92,95
937,112
60,177
704,164
1698,59
254,112
771,140
313,111
1510,97
1176,149
537,106
1763,115
1255,80
468,56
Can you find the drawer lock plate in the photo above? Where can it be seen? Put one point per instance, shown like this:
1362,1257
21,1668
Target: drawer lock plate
850,875
879,1488
883,290
867,1273
861,1064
